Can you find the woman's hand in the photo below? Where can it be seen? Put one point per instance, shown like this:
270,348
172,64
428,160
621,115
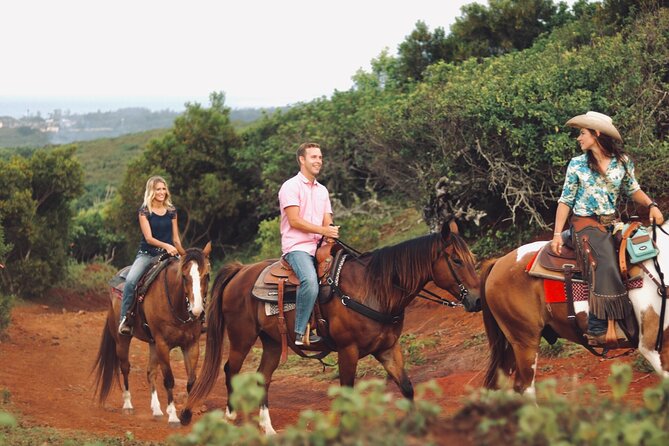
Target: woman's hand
171,250
556,244
655,215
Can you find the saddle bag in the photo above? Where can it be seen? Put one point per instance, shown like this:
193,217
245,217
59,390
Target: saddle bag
640,246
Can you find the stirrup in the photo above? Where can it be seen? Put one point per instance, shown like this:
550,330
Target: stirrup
124,329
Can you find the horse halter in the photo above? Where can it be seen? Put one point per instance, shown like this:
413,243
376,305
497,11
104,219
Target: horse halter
203,290
464,292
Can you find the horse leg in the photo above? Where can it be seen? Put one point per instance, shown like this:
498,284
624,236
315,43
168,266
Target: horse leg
191,355
239,348
123,353
348,364
151,375
271,356
393,361
526,366
163,354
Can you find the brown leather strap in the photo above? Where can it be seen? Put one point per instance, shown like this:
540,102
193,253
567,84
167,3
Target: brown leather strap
622,254
569,294
282,323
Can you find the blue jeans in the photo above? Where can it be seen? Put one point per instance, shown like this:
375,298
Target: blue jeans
141,264
305,270
597,326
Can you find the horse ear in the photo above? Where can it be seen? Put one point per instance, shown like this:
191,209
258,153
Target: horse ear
207,249
448,228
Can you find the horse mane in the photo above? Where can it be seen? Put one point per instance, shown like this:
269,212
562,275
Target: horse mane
193,254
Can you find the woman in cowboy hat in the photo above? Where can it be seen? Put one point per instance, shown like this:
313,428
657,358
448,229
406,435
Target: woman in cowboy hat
593,182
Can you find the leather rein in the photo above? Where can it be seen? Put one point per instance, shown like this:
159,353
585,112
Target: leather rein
385,318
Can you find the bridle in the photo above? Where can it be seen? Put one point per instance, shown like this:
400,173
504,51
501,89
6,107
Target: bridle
204,290
433,297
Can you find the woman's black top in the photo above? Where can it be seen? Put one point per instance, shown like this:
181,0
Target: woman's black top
161,229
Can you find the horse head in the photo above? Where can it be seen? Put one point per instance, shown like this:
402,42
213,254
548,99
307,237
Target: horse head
454,268
194,269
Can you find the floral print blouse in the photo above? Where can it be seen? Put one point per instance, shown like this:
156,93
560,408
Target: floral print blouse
591,193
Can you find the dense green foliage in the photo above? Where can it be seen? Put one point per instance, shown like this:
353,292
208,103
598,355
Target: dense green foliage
366,414
587,418
479,113
35,213
209,190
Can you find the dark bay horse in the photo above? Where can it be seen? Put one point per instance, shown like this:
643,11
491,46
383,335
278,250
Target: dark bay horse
386,280
515,315
172,306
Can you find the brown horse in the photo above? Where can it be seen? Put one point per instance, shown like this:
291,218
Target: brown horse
516,316
385,280
171,308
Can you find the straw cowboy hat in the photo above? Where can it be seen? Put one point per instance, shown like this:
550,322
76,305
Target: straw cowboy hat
595,121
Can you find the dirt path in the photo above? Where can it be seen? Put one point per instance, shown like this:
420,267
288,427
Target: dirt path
49,351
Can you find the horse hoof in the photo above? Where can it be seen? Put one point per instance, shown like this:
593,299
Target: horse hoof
186,416
130,411
174,424
158,416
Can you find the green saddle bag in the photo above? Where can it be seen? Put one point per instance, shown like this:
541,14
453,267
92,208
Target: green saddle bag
640,246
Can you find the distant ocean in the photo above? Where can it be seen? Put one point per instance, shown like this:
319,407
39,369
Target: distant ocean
19,107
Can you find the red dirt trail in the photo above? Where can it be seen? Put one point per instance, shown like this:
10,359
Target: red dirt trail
48,351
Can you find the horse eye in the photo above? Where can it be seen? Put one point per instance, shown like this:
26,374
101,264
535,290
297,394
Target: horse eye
458,262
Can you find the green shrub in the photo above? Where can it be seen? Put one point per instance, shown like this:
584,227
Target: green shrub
87,277
366,414
584,418
6,304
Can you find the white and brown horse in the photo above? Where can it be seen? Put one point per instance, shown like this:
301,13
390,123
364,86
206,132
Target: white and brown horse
516,314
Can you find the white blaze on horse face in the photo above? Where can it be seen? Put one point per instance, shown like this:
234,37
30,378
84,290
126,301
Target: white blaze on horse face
198,307
527,249
265,422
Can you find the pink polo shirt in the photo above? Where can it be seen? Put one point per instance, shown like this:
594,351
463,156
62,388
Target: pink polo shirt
313,200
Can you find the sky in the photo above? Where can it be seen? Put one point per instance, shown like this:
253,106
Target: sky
261,53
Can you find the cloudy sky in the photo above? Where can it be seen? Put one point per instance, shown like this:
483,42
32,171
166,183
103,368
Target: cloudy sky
260,52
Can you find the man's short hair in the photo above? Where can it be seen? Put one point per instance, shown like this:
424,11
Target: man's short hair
303,148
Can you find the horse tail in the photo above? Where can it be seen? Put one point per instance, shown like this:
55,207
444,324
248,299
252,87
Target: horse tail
213,354
106,367
499,345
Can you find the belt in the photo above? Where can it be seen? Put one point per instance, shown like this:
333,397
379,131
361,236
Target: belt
581,221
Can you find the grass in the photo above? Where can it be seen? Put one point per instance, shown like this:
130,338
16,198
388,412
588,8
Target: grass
561,349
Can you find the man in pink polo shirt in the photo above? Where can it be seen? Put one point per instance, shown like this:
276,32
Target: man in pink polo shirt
306,216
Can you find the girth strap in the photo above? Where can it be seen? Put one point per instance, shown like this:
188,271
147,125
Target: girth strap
283,331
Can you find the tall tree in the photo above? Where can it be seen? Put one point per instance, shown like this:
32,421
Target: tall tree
198,160
35,211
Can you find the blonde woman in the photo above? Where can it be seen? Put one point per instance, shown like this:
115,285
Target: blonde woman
160,235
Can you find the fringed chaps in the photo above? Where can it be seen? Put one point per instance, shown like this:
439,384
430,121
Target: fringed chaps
597,258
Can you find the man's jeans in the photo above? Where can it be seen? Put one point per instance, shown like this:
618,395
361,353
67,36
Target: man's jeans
141,264
305,270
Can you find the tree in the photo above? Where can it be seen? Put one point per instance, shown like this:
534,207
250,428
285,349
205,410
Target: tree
198,160
35,196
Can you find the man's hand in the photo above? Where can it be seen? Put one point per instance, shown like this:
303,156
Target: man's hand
331,231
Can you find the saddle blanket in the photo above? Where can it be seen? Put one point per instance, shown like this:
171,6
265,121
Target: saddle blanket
554,290
272,309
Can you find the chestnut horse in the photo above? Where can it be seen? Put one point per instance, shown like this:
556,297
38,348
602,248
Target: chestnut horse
516,315
172,307
385,280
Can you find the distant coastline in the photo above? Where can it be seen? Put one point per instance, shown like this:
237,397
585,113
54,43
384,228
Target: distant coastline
23,106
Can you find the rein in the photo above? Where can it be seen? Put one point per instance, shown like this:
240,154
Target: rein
384,318
435,298
662,291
